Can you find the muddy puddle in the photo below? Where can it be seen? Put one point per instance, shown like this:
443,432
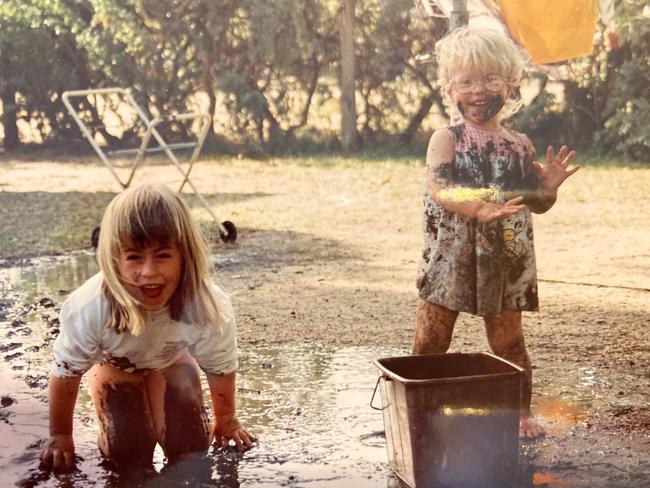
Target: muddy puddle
308,405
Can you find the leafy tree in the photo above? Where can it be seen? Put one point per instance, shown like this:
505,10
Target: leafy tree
270,67
38,60
626,114
270,71
397,91
155,47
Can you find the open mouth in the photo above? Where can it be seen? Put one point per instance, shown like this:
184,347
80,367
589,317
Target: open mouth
152,291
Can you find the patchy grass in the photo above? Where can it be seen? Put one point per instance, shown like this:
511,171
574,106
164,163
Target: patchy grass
50,202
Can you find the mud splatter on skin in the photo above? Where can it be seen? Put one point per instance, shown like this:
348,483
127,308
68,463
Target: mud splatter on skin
444,172
10,347
186,423
130,440
494,104
460,108
434,328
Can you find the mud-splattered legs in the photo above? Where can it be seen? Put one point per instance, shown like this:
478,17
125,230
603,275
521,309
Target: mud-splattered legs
126,429
137,410
180,419
434,327
506,338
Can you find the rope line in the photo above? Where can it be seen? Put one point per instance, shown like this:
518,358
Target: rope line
597,285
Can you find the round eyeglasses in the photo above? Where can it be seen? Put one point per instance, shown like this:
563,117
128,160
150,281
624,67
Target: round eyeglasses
492,83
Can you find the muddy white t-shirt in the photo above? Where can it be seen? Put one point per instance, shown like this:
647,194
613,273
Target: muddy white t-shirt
85,340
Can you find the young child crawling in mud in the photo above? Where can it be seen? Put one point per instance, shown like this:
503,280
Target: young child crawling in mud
140,329
482,183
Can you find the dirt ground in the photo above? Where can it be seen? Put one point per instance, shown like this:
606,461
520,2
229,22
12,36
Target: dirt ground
326,254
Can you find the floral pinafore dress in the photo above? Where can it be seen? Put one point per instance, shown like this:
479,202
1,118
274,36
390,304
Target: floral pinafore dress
475,267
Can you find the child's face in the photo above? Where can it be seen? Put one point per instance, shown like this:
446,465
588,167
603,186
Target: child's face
152,273
479,96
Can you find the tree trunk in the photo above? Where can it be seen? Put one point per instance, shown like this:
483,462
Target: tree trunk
207,82
348,105
414,124
9,111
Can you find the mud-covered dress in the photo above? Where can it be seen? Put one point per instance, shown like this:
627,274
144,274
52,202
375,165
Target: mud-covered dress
475,267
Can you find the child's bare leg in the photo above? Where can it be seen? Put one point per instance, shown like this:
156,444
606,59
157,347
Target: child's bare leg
434,326
126,431
179,415
506,338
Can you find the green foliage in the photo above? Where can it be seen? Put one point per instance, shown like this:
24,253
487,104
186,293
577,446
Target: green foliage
626,129
270,67
393,85
539,122
270,71
38,59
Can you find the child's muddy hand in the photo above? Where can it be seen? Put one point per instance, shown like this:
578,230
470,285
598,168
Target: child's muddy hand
489,212
243,440
557,168
230,429
57,454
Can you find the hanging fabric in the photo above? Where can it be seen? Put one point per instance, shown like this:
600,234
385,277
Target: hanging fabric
554,30
550,31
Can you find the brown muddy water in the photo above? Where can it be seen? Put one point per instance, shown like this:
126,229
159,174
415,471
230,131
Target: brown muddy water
308,405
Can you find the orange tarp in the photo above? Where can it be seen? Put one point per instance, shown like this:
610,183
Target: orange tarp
553,30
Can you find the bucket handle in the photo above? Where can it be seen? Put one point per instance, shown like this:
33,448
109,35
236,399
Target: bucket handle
374,392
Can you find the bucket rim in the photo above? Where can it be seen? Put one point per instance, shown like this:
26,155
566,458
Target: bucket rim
517,370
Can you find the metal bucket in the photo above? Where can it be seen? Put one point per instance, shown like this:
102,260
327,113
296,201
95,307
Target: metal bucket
451,420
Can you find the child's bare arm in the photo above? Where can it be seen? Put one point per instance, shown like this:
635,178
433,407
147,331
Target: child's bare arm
58,451
552,176
466,202
440,158
226,426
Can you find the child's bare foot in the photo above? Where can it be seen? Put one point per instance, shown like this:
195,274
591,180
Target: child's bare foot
529,428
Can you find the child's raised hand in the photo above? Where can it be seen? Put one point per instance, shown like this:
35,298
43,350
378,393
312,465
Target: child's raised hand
489,212
228,428
557,168
57,454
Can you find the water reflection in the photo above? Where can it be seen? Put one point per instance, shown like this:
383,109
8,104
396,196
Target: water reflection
49,276
308,405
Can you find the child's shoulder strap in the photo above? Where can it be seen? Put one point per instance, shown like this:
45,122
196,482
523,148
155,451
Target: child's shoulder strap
516,136
456,132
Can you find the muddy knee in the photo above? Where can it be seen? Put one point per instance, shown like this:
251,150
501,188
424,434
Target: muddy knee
186,427
126,433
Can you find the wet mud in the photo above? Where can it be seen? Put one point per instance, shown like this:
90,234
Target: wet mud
309,407
129,437
186,425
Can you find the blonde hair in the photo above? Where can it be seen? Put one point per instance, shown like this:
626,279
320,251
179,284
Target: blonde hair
147,214
481,49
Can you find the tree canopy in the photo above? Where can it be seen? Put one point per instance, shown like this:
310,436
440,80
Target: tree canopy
268,72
